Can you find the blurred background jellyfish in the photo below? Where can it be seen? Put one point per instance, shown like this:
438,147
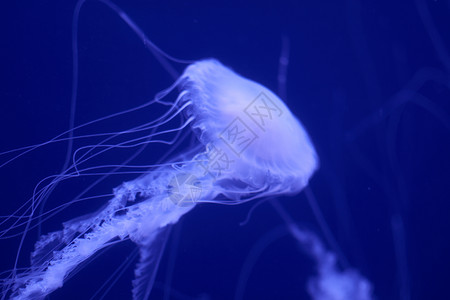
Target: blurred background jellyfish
370,82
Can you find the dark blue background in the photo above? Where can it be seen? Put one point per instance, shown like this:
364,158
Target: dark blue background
383,139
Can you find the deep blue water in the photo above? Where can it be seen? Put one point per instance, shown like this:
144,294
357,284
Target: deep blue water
370,82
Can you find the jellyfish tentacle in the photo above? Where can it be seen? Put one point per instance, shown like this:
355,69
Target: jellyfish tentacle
151,251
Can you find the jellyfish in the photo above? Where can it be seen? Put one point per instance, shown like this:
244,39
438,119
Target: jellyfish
245,145
249,146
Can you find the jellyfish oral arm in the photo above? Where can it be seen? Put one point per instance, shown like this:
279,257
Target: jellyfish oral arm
140,222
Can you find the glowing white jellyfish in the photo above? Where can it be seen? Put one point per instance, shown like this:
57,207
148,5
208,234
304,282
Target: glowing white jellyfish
250,146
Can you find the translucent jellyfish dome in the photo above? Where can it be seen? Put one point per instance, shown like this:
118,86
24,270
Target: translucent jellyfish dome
253,141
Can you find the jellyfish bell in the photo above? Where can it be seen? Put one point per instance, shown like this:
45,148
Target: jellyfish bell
253,141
